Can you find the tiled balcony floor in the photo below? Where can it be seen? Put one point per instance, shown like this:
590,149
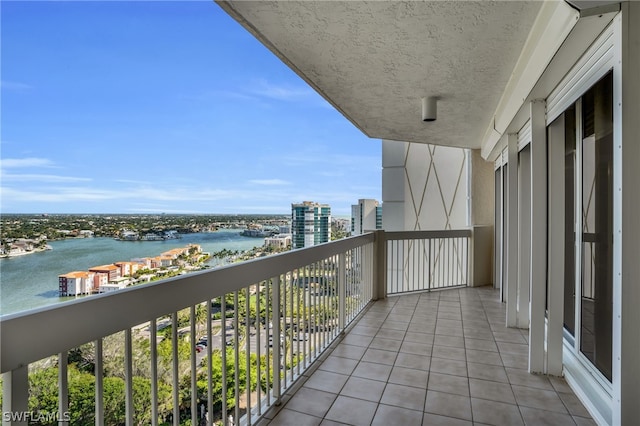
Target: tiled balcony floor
441,358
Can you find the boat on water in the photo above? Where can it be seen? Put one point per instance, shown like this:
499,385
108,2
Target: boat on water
149,236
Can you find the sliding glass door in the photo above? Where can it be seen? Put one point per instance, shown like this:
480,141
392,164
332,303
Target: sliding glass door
588,275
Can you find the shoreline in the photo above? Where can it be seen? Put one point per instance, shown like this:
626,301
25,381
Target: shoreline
37,250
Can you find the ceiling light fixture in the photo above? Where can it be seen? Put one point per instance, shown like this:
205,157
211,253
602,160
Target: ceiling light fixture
429,108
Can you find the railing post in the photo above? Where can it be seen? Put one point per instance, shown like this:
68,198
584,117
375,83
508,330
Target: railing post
175,368
63,388
275,336
128,376
194,383
99,375
379,266
342,291
15,396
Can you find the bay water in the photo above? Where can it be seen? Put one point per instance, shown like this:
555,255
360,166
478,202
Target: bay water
31,281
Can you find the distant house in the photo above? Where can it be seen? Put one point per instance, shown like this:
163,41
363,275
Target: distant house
128,268
76,283
278,241
117,284
112,271
144,262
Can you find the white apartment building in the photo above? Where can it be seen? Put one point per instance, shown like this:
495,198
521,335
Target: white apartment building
365,216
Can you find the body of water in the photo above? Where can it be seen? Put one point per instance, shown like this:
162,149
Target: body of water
31,281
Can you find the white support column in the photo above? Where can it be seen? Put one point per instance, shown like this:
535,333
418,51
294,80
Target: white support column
524,226
512,231
556,217
538,237
626,107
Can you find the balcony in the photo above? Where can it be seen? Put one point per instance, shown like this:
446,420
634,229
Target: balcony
430,358
350,331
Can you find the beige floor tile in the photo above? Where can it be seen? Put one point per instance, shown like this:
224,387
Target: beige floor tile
453,341
409,377
357,340
326,381
520,361
449,384
395,325
404,396
422,327
453,314
367,389
386,344
524,378
416,348
536,417
349,351
339,365
560,384
401,317
494,391
446,404
379,356
481,345
449,323
419,362
506,336
449,352
412,336
573,404
484,357
583,421
478,334
387,333
495,413
364,330
449,366
387,415
494,373
449,331
538,398
326,422
352,411
374,371
311,401
437,420
513,348
294,418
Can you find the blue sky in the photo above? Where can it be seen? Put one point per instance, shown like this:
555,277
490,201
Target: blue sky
145,107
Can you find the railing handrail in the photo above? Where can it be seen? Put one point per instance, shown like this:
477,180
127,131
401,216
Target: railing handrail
24,339
417,235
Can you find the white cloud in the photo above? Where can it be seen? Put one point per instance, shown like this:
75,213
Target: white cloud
42,178
280,92
275,182
15,85
26,162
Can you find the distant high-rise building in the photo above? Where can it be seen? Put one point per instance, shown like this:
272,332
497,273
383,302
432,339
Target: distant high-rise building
310,224
365,216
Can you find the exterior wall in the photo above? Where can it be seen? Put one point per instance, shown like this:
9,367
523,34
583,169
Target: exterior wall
424,187
610,398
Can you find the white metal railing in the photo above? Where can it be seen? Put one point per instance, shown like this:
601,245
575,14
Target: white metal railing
264,320
427,260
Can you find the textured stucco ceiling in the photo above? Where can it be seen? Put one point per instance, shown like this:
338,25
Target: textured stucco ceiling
374,61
